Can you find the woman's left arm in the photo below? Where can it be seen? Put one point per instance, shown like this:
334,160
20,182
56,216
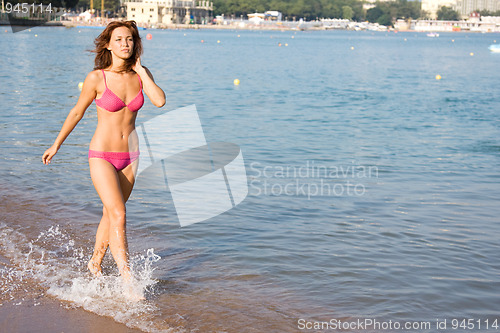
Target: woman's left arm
155,93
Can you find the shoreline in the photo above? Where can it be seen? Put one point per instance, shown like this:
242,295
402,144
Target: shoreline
25,304
46,315
307,26
69,24
28,302
24,309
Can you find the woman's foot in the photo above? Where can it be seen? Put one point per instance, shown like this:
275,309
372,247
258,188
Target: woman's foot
131,287
94,268
133,292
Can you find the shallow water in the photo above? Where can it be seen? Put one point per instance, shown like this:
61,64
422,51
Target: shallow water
373,186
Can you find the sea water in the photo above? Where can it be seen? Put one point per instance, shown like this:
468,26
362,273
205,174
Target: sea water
373,185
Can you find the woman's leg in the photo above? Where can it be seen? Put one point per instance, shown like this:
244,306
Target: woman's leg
101,244
108,184
126,178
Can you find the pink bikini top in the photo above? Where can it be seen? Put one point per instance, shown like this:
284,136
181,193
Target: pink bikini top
112,103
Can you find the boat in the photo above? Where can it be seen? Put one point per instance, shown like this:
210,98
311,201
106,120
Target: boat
432,34
494,48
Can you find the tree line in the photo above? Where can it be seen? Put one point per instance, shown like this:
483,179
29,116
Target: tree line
292,9
384,13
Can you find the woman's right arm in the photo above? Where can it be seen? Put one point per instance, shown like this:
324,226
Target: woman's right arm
89,91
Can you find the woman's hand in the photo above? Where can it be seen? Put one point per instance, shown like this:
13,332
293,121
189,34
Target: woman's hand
49,153
155,93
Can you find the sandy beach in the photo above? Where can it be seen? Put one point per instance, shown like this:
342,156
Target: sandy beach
46,315
24,303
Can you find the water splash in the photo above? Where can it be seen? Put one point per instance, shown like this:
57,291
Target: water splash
55,263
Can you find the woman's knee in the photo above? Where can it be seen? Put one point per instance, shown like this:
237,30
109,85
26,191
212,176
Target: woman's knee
116,216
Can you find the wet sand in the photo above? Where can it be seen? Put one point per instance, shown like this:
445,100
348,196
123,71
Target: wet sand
27,310
51,316
24,305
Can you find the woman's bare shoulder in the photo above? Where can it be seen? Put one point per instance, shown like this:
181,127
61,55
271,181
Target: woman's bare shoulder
93,79
94,75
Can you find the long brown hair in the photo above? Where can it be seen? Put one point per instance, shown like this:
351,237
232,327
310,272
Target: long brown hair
103,58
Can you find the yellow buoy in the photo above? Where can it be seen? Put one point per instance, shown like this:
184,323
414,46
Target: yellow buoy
453,40
80,86
352,47
438,77
236,82
471,54
218,41
36,35
286,44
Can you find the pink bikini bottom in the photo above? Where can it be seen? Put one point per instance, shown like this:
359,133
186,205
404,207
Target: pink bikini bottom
119,160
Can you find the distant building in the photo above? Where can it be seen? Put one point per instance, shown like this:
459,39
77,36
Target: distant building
432,6
169,11
463,7
270,15
86,16
466,7
449,26
491,19
273,15
256,18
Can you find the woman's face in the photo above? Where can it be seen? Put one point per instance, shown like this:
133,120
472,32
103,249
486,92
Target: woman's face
121,43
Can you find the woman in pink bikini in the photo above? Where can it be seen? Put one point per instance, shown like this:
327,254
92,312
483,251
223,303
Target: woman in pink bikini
116,84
